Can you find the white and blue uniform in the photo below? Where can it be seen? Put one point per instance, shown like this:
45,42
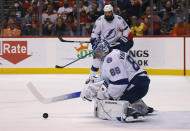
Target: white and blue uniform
124,76
110,31
115,32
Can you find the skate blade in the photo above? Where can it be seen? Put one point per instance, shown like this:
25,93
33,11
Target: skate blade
132,119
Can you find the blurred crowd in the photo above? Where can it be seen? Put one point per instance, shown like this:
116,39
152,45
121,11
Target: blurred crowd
169,17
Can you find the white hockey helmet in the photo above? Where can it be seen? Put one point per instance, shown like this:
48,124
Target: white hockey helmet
108,8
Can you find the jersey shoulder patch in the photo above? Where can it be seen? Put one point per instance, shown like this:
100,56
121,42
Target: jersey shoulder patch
109,60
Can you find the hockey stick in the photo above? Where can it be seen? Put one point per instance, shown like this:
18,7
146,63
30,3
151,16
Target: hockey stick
63,40
57,66
44,100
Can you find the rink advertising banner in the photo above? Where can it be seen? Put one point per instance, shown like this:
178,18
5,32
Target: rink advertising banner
67,52
14,51
157,55
23,53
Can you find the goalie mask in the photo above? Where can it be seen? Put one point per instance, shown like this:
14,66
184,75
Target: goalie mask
108,12
101,49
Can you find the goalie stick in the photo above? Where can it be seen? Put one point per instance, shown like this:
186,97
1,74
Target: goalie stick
44,100
63,40
57,66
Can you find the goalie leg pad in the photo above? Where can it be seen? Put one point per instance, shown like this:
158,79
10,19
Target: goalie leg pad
116,110
109,109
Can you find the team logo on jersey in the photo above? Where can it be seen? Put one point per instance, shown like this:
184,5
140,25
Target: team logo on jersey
110,34
83,50
14,51
109,60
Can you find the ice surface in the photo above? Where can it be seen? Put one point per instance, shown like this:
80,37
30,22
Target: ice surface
21,111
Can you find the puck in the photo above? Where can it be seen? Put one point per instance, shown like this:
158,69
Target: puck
45,115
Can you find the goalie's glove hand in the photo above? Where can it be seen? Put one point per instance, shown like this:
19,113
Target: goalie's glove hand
92,79
87,94
102,92
90,90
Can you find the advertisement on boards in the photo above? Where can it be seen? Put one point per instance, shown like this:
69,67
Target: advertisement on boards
68,51
22,53
158,53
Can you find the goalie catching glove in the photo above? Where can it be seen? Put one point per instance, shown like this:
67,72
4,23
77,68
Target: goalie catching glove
94,90
92,79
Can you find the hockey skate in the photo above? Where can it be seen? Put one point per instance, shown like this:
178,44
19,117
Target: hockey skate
131,115
150,110
142,108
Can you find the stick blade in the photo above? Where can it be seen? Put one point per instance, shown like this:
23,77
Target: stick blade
36,93
56,66
44,100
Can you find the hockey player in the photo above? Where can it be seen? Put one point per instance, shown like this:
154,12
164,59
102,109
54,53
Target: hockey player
113,29
121,85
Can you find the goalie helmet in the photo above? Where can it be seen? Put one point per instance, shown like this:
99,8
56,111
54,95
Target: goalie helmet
101,49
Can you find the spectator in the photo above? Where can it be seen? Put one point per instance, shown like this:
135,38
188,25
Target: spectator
50,15
47,27
28,17
26,4
137,27
93,15
11,30
12,15
18,8
169,9
59,28
38,2
146,18
54,4
84,24
166,24
71,23
66,9
180,12
136,7
107,2
180,27
35,8
61,3
125,9
99,2
27,21
31,28
83,7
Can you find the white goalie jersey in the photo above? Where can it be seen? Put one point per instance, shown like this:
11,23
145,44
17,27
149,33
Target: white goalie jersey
110,31
118,69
